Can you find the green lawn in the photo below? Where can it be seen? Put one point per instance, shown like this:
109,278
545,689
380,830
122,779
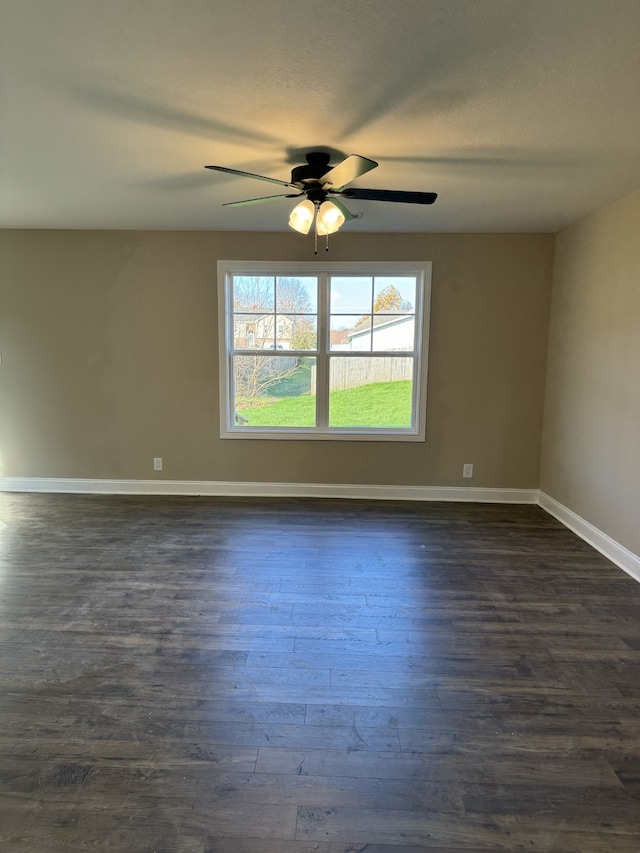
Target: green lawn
296,383
381,404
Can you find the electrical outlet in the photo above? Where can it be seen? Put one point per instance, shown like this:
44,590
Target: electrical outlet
157,463
467,469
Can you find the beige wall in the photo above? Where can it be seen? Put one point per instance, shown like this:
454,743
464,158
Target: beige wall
591,447
109,358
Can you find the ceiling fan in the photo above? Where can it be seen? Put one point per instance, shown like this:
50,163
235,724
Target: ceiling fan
324,186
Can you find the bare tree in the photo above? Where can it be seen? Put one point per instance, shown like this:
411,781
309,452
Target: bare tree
254,293
293,297
255,374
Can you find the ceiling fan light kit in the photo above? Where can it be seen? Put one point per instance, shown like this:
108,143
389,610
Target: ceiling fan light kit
327,216
323,186
302,216
329,219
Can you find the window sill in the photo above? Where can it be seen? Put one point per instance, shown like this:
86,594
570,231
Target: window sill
294,434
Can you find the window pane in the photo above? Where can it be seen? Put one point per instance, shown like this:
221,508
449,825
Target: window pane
253,331
350,332
253,293
393,333
370,392
296,331
297,295
274,390
393,295
351,295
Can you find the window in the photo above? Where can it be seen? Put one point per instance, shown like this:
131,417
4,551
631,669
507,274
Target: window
323,350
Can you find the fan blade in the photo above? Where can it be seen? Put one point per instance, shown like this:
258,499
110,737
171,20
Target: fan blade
389,195
258,200
249,175
346,213
350,169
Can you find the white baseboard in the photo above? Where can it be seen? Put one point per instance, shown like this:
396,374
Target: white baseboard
618,554
612,550
276,490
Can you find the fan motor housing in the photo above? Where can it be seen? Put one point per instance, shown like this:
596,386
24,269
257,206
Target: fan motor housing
317,166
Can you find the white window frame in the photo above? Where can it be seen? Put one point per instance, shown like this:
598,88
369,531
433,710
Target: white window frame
323,354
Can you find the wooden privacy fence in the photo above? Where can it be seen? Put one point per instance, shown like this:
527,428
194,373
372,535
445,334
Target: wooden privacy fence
348,373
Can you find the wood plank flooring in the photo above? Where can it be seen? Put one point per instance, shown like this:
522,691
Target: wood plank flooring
189,675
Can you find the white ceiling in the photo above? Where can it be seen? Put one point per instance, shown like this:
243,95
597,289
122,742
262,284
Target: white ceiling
523,115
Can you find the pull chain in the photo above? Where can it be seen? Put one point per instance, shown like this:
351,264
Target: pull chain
315,227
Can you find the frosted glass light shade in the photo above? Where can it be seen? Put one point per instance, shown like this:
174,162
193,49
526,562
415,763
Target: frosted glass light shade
330,218
302,216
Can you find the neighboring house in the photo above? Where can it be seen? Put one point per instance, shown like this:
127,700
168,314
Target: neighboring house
257,331
340,340
389,333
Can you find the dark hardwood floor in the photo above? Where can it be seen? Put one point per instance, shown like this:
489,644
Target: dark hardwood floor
238,676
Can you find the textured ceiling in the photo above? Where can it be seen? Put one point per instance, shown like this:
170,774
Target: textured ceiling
522,116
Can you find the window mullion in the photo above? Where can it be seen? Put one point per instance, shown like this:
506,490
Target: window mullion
416,389
322,364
